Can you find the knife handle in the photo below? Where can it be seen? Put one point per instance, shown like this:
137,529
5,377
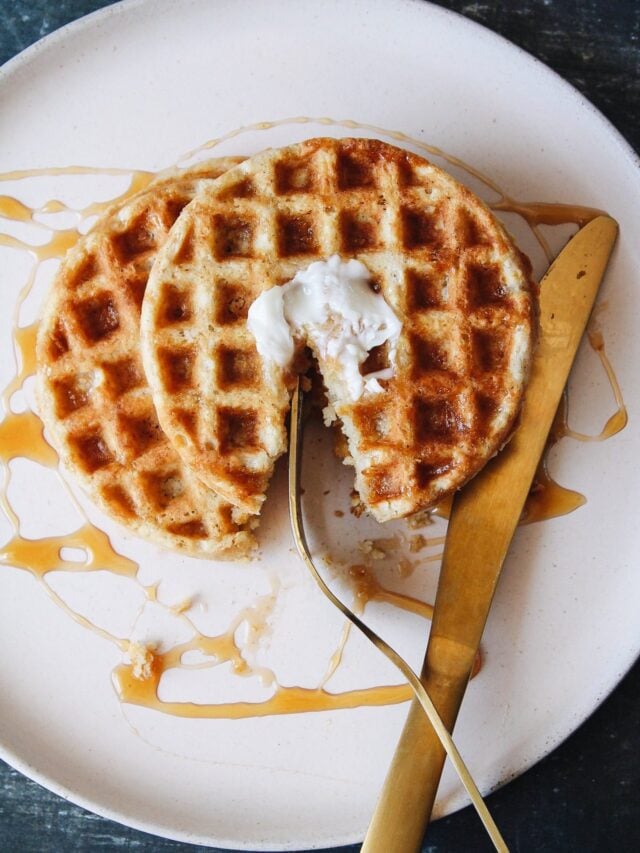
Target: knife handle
404,808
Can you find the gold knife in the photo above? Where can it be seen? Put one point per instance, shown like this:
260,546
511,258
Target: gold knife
483,520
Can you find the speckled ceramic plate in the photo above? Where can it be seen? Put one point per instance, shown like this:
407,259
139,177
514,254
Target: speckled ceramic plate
137,85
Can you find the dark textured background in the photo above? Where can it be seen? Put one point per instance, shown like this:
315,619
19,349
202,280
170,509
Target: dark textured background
585,796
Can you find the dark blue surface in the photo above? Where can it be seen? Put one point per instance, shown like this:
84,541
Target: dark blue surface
586,795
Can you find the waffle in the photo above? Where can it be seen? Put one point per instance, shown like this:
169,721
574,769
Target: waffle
436,253
92,392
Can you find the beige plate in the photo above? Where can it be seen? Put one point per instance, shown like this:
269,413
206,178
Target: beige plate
201,68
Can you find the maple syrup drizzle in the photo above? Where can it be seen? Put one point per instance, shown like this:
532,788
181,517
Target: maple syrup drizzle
619,419
57,246
223,648
368,588
285,700
537,213
64,171
139,181
121,642
336,658
548,499
24,339
534,213
40,556
21,434
545,213
16,211
349,124
132,689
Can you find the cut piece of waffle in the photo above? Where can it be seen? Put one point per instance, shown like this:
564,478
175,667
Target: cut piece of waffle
436,253
92,391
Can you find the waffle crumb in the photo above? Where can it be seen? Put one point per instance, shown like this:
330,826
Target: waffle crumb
417,543
378,549
371,549
141,657
356,508
329,415
420,519
406,567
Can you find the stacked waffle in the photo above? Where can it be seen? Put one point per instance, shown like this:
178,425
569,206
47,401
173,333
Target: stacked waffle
172,419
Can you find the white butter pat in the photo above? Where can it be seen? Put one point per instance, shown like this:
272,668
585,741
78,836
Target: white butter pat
331,307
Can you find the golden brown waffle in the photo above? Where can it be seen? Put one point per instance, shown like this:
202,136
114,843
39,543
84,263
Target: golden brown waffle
439,257
92,390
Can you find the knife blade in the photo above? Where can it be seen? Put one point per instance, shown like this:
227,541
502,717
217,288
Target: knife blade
483,520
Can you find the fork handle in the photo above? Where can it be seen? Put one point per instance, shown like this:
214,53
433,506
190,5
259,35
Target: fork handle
404,808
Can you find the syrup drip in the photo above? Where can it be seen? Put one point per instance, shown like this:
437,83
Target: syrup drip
537,213
336,658
24,339
139,180
534,213
132,689
368,588
21,434
285,700
619,418
11,208
64,171
548,499
59,243
396,135
544,213
40,556
223,648
121,642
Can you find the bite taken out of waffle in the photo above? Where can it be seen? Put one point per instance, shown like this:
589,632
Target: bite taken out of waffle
434,251
92,392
